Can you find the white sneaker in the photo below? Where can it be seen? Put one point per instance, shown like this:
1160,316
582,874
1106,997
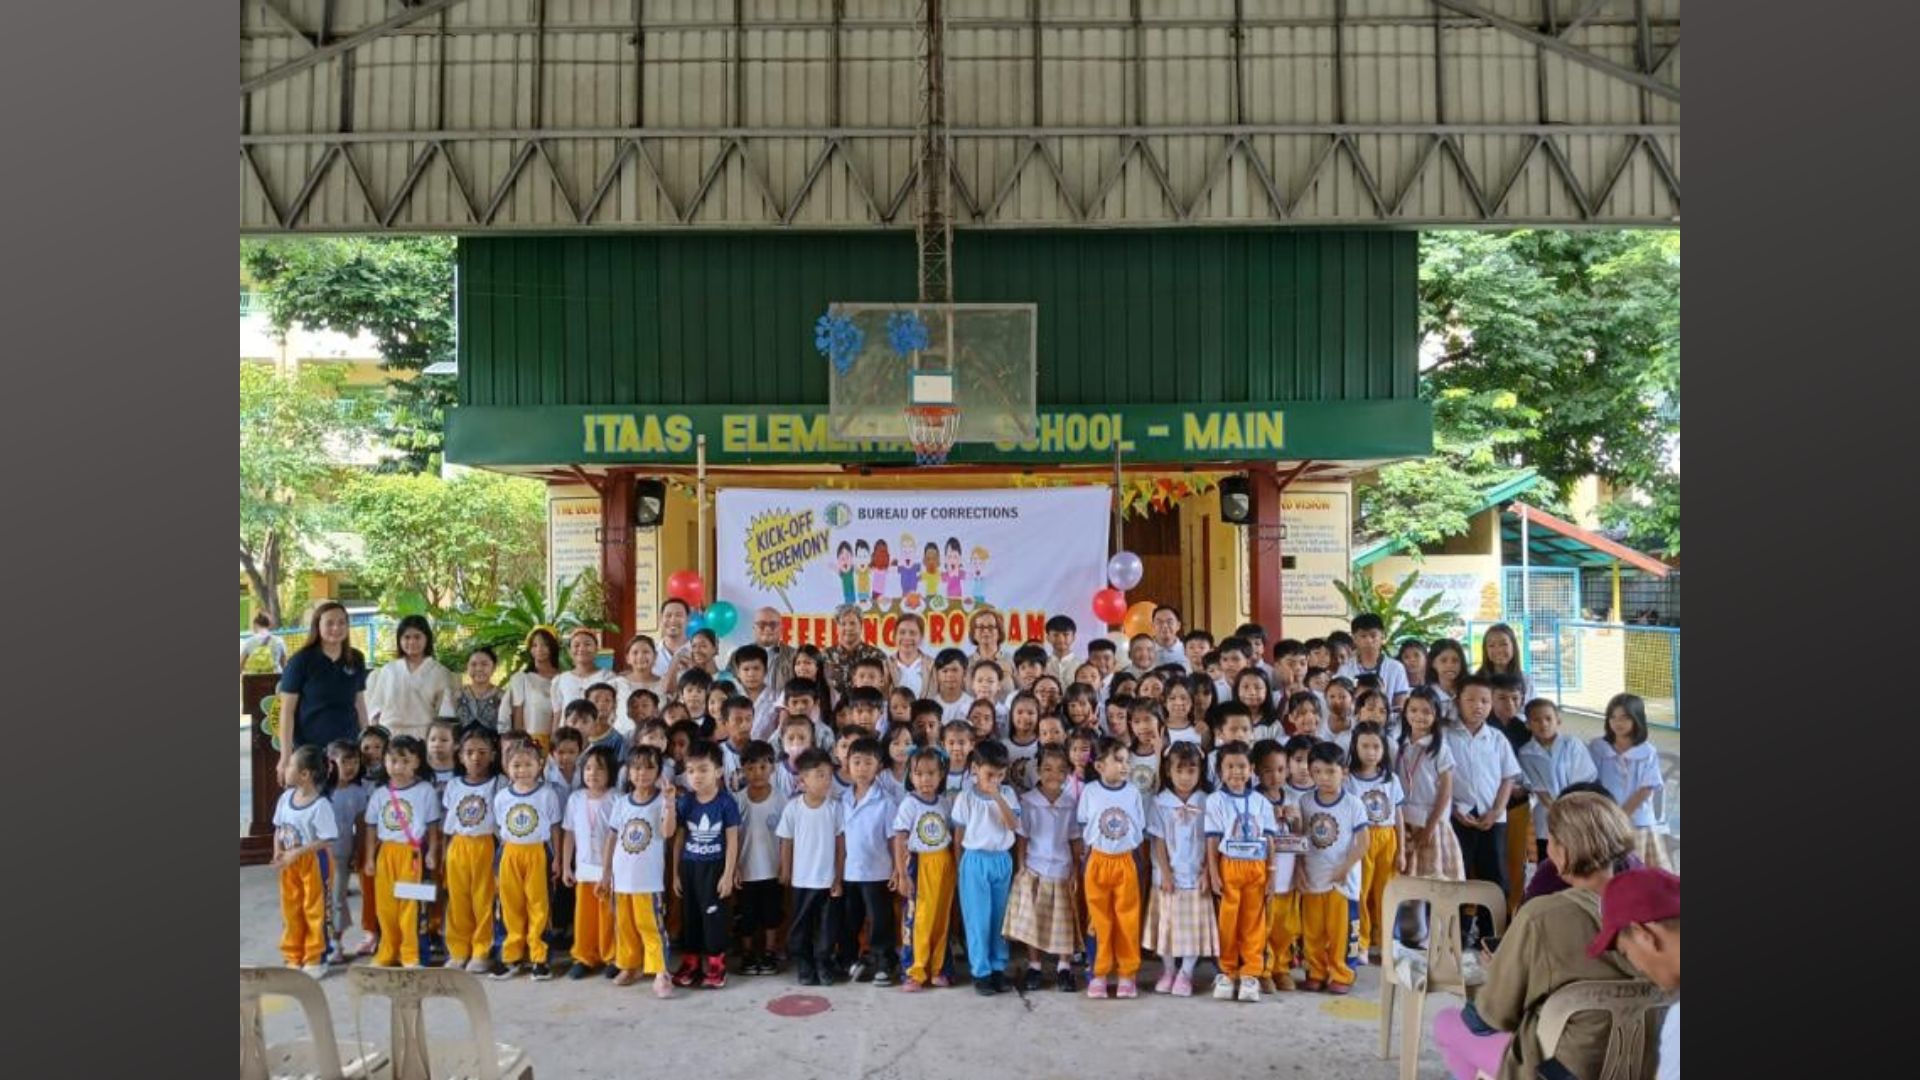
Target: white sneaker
1249,989
1223,988
315,971
479,966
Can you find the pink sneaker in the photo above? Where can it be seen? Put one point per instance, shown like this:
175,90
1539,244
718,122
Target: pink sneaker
1165,983
1182,985
942,981
663,985
909,985
1128,989
1097,988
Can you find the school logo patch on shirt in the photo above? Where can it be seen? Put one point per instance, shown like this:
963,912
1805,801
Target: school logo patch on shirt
1114,824
522,819
635,836
1379,807
1144,776
396,815
930,828
286,838
471,811
1323,830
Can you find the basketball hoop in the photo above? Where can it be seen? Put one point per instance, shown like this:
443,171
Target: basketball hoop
931,429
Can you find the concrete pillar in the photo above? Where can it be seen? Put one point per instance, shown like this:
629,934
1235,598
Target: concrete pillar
616,554
1263,548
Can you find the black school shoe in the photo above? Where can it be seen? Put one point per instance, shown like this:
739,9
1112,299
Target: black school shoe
1065,982
884,977
1031,980
999,982
610,972
808,977
983,987
541,972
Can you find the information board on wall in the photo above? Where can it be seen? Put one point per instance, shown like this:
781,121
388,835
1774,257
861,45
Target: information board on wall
573,546
1319,540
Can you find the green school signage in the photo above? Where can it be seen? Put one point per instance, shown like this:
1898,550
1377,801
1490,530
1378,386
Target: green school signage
547,435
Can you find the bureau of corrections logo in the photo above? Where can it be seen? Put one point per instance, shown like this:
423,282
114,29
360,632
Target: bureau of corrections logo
838,515
396,815
471,811
522,819
1114,824
1379,808
636,835
930,828
1323,830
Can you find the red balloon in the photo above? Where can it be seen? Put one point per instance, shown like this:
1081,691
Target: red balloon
686,585
1110,605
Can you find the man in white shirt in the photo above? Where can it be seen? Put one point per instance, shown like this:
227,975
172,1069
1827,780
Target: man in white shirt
1640,915
1370,658
673,634
1166,634
1484,774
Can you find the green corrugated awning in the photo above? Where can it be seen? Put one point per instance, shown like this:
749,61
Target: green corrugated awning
1553,542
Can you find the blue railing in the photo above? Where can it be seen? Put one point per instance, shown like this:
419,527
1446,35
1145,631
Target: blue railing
1582,664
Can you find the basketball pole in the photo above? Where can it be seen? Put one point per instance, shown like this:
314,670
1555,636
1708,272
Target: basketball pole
700,505
1119,515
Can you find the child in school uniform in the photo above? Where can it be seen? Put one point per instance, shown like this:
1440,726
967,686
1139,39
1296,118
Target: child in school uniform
1550,764
813,855
640,826
349,801
583,647
1424,763
1042,912
303,834
1335,822
1629,766
1112,824
583,844
1239,825
923,869
467,852
373,779
1485,774
866,814
760,909
1269,759
1180,924
403,825
1023,739
1370,778
986,818
527,812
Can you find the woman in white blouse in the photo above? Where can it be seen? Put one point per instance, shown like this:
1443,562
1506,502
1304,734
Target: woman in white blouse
406,694
530,691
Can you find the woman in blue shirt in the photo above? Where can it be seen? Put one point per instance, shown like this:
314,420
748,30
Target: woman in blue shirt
323,689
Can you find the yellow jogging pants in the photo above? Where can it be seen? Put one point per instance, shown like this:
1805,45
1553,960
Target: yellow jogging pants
593,941
523,902
1283,929
469,897
303,908
399,919
1328,920
1243,917
641,919
930,913
1376,869
1113,907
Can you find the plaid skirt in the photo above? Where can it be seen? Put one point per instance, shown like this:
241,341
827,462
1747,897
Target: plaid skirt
1439,857
1180,923
1041,914
1651,848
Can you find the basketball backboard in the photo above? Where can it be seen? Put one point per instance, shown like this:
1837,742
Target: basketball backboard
987,349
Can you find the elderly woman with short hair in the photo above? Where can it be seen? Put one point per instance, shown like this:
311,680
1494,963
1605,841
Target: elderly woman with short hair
849,648
1545,948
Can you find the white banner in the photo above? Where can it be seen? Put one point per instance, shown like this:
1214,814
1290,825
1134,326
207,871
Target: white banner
1029,554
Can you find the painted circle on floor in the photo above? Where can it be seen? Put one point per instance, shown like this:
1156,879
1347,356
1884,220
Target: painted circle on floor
798,1005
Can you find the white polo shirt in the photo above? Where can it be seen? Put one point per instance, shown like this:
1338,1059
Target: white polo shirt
526,817
1112,819
1048,827
1480,762
813,830
1548,772
1181,825
1393,675
868,824
979,815
926,825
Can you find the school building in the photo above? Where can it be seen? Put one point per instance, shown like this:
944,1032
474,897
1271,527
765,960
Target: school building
1285,357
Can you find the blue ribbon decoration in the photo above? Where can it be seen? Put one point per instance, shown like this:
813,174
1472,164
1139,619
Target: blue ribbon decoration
906,332
838,339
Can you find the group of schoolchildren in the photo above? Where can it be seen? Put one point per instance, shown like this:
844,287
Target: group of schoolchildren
1196,803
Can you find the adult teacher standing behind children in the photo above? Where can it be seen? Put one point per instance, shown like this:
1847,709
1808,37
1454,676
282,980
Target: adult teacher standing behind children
406,694
323,688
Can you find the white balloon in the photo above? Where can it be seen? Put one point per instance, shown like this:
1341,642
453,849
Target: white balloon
1125,570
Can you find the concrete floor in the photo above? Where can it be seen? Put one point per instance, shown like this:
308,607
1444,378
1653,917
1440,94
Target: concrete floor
594,1029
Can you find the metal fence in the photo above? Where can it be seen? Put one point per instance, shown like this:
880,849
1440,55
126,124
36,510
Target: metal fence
1583,664
364,631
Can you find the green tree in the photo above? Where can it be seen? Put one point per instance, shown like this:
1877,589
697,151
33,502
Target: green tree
459,544
1559,352
398,290
288,426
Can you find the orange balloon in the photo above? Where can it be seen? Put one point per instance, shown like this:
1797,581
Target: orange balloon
1139,619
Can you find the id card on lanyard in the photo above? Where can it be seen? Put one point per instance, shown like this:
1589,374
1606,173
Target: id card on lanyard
1241,848
423,892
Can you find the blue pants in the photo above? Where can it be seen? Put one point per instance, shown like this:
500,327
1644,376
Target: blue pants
985,879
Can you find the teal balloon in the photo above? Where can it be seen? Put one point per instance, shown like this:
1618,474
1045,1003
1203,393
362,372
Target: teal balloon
696,622
722,617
